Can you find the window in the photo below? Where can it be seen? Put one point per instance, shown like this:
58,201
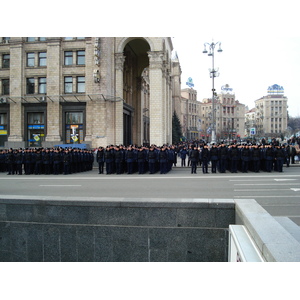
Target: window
81,57
5,86
74,118
42,85
80,84
5,61
42,39
30,85
3,119
35,118
68,83
42,59
68,58
31,39
30,59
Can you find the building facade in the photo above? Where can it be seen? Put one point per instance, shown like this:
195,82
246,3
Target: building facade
272,113
190,108
92,90
229,116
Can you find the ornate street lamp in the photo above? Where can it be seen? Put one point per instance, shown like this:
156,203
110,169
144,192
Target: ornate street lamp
213,73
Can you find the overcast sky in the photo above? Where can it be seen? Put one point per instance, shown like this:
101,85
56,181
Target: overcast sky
260,38
248,64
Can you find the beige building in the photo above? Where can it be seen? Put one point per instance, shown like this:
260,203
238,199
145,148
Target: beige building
271,113
250,123
92,90
229,116
190,108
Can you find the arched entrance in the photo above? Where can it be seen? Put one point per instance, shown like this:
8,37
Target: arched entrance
136,121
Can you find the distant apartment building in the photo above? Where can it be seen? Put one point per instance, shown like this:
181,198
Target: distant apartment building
271,113
190,109
229,116
250,123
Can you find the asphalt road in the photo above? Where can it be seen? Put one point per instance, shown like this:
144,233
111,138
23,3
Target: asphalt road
278,193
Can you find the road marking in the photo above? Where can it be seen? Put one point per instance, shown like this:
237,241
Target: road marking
267,184
269,196
262,190
60,184
283,179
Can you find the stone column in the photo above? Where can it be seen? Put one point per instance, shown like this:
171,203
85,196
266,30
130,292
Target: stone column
119,65
17,85
157,98
54,114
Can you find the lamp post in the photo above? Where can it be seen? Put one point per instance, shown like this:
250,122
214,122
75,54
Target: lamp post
213,73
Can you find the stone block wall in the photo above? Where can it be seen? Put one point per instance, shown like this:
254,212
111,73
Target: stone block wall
153,230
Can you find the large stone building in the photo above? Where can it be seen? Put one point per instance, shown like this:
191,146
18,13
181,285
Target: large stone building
272,113
229,116
190,108
97,91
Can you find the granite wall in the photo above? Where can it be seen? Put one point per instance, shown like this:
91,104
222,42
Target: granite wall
115,230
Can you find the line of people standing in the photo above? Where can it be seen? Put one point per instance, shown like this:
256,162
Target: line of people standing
134,159
236,157
45,161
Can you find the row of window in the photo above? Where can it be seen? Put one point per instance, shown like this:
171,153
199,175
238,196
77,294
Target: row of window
39,85
69,58
41,39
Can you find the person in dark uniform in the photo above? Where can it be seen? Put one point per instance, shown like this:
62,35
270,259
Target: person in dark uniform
194,157
10,159
163,160
256,157
245,157
67,159
152,159
234,157
269,157
183,153
46,161
205,158
118,155
38,162
214,156
56,162
100,158
2,161
19,157
141,160
280,157
109,160
27,161
223,156
130,157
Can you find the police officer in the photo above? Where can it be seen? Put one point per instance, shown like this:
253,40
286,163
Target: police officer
67,159
214,156
194,157
19,161
205,157
118,155
152,159
100,158
163,160
109,160
141,160
223,157
10,159
256,157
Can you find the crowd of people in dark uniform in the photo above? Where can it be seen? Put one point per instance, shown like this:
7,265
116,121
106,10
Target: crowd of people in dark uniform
135,159
239,157
120,159
46,161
